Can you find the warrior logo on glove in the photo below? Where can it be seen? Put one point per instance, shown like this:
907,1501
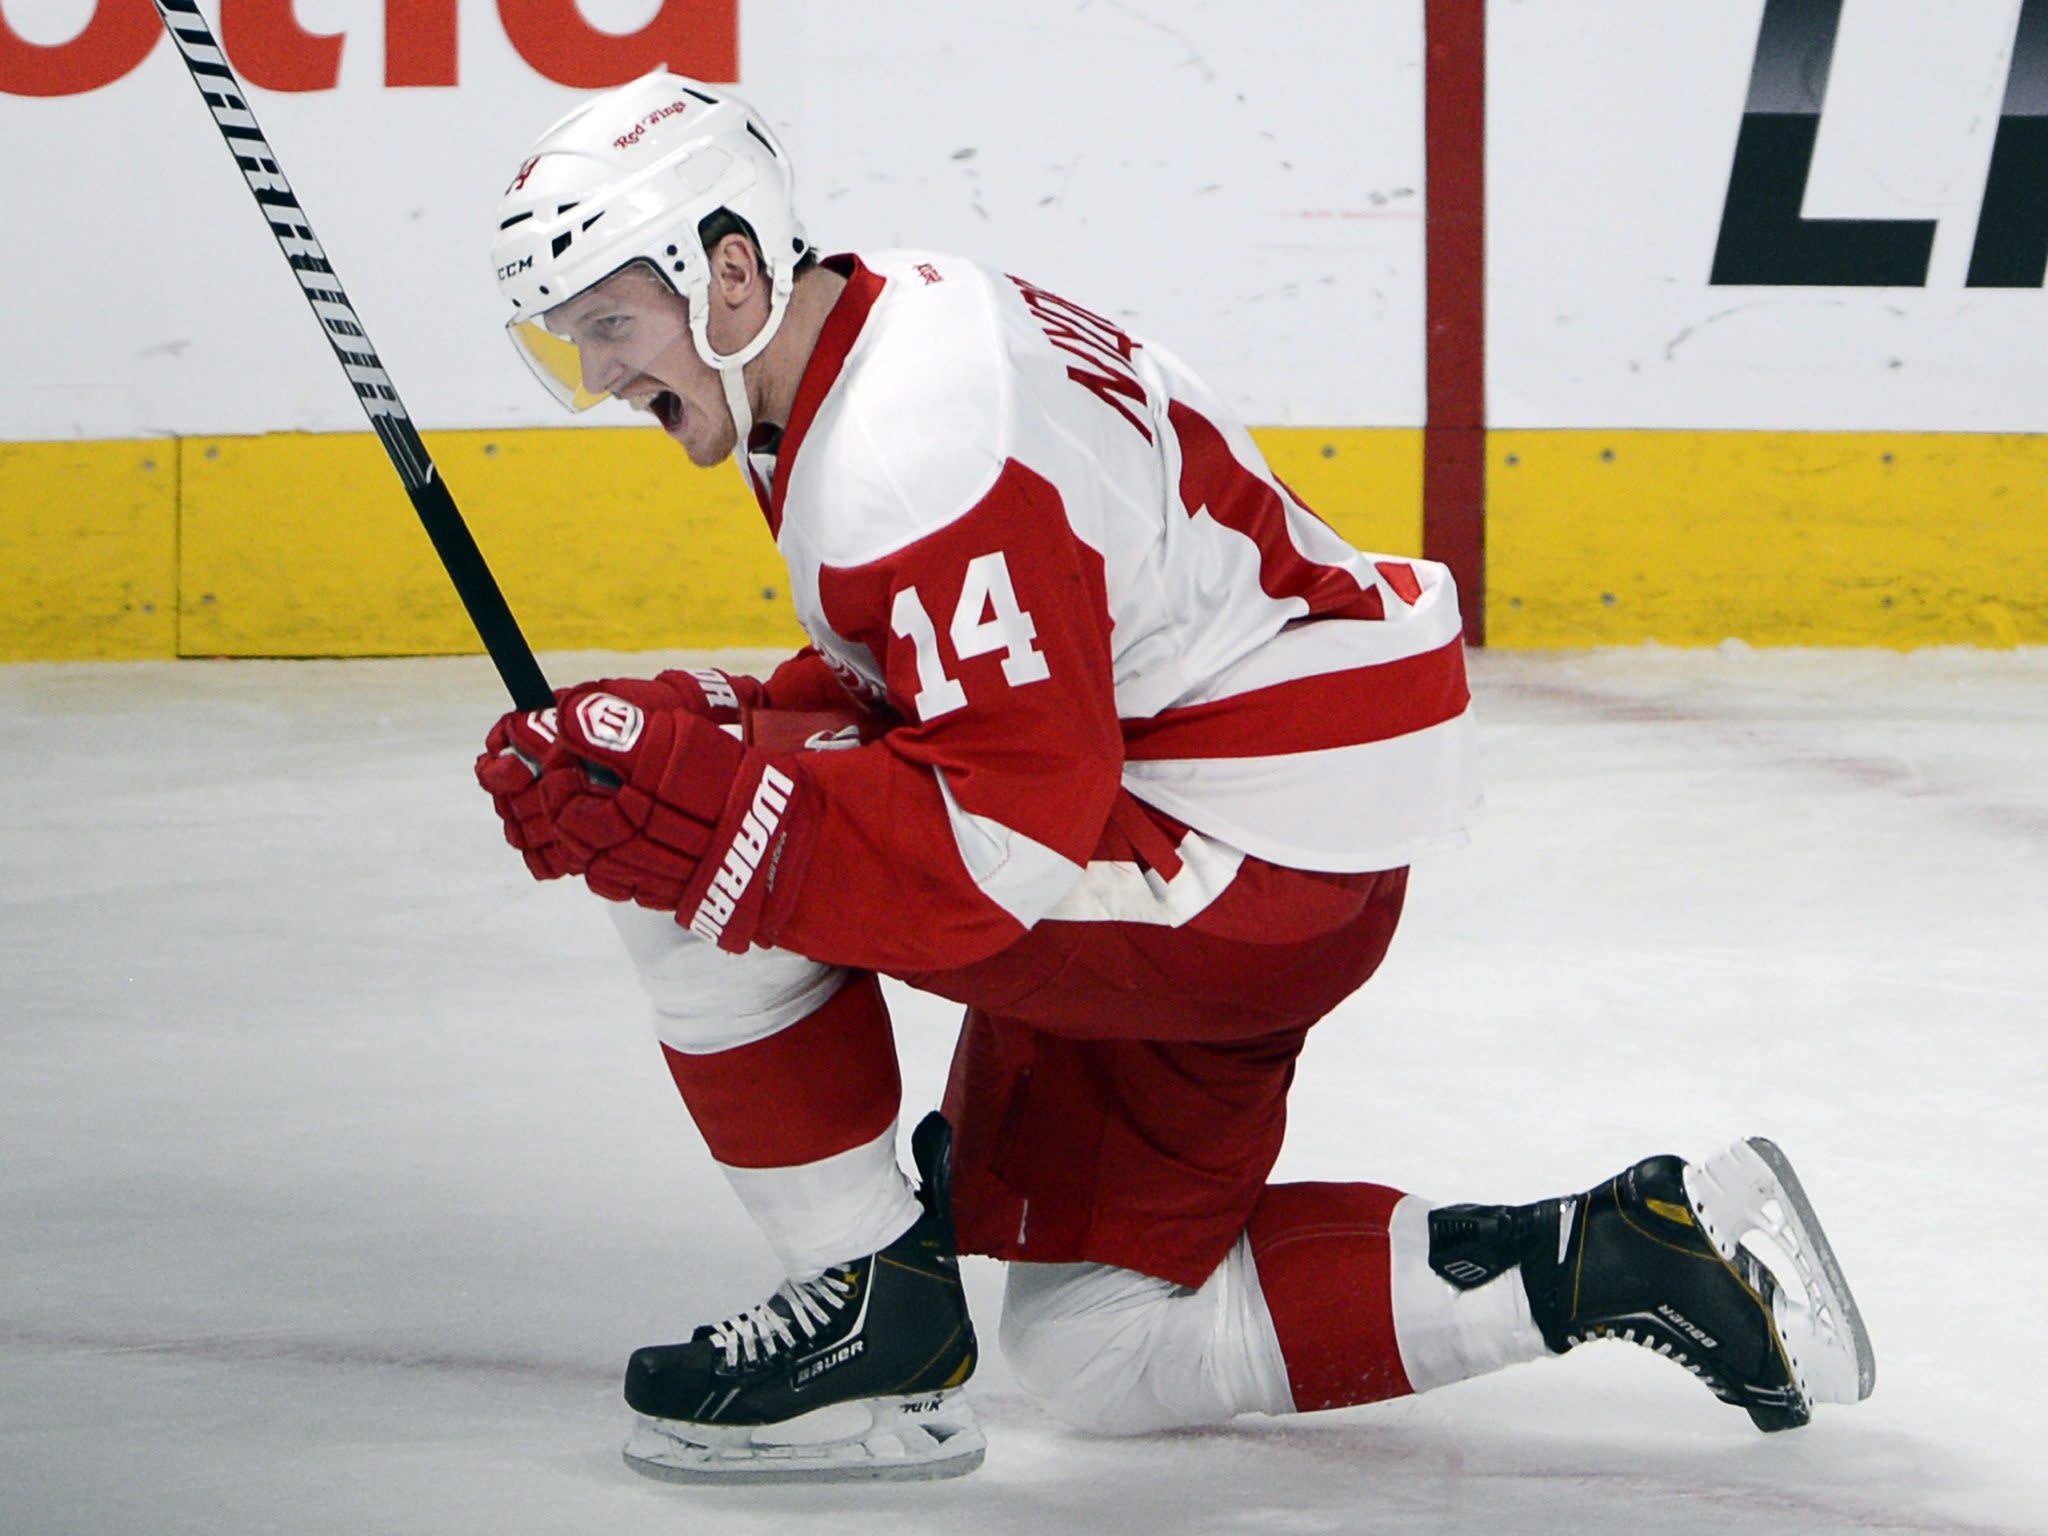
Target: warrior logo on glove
609,721
743,857
682,818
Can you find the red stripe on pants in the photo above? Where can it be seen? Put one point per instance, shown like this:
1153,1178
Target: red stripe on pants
825,1085
1325,1266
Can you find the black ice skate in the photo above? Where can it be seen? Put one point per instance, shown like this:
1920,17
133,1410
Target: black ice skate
853,1375
1720,1266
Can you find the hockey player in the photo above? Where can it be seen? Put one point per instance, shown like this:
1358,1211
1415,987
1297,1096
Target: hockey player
1146,751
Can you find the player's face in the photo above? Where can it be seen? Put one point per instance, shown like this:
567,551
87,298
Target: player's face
632,338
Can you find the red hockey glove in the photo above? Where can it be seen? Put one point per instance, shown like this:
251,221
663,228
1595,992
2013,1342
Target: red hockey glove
723,697
699,825
518,745
510,770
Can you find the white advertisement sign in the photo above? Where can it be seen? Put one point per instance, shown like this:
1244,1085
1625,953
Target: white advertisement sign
1241,181
1806,214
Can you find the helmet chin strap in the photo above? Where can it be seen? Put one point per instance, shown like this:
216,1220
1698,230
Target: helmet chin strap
733,377
732,365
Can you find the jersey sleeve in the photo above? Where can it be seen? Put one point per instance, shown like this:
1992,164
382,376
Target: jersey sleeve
806,681
949,837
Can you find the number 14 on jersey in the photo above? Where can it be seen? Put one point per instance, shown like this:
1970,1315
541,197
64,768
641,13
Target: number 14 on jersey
985,619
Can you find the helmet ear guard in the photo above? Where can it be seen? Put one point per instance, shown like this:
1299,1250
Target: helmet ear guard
634,174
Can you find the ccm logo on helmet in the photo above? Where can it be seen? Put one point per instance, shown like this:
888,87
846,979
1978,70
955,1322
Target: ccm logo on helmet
513,269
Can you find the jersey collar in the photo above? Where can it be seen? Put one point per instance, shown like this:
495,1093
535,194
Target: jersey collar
841,330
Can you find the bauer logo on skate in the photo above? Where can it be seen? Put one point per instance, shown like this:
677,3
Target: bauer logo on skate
743,859
609,721
811,1370
1686,1325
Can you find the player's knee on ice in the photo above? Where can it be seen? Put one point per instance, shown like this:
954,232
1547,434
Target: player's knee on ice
1115,1352
707,1000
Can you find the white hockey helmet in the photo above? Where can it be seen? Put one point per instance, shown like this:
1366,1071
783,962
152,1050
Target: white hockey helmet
628,177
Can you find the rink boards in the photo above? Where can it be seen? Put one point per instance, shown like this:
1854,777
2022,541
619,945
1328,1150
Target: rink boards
1746,300
303,544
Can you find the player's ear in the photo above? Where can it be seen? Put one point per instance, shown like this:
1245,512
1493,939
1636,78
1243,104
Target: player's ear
735,269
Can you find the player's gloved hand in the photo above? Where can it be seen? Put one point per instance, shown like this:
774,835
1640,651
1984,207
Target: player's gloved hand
518,745
722,697
510,771
699,825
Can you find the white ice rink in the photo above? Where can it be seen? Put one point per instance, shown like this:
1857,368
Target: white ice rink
339,1172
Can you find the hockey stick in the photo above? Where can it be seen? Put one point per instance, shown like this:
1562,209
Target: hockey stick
474,584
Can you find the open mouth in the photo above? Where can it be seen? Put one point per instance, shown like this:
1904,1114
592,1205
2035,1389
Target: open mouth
665,406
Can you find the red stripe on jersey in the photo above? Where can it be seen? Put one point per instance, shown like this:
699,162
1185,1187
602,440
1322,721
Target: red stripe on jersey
1137,832
836,1085
1400,575
1325,1262
1212,480
1311,714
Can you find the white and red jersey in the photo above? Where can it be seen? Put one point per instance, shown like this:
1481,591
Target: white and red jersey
1050,549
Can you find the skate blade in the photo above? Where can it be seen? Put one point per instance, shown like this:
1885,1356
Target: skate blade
884,1439
1751,1206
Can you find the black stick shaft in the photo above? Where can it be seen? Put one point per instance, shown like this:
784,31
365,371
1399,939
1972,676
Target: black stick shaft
474,584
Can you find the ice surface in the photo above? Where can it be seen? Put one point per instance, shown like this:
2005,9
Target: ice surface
338,1172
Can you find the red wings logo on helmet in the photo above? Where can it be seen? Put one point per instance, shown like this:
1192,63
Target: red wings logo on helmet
633,136
525,171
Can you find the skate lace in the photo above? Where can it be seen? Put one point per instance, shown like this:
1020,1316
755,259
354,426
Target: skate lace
764,1330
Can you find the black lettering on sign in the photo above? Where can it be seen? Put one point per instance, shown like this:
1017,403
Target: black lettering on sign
2012,227
1766,240
1764,237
